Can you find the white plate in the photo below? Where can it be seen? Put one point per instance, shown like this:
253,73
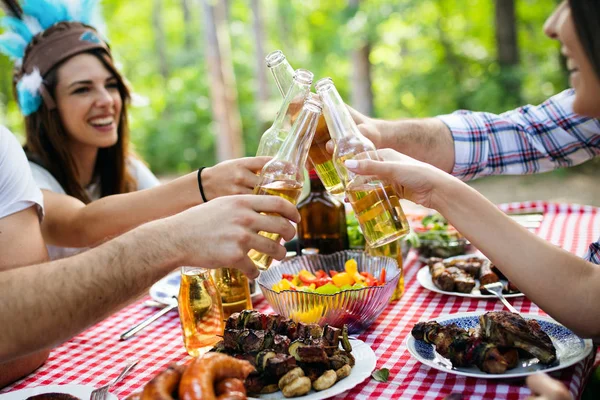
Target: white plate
424,278
364,366
81,391
570,349
164,290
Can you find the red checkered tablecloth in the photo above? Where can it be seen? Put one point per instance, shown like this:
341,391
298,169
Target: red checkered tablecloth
96,356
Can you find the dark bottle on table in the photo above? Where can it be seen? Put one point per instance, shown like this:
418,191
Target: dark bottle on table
323,223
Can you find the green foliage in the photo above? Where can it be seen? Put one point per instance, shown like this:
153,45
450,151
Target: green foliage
428,57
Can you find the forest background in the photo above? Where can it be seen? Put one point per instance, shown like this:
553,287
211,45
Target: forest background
204,94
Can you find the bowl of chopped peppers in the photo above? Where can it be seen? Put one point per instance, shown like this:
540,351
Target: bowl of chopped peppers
349,287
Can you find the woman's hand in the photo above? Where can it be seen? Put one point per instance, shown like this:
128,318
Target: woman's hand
416,181
232,177
545,388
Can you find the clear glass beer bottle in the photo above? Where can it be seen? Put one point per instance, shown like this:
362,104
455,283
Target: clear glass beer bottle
375,201
273,138
283,176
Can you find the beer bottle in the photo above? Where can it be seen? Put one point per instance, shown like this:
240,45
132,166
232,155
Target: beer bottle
375,201
323,223
273,138
283,176
318,156
234,290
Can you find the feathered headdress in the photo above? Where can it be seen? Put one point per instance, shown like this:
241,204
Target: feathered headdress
23,22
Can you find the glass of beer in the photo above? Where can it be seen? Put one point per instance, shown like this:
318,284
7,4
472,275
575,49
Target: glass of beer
393,250
200,310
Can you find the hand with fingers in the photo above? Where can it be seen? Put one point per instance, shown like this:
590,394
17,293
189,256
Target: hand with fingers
230,177
545,388
221,232
416,181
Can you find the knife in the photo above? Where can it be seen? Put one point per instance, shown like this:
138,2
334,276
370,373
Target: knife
137,328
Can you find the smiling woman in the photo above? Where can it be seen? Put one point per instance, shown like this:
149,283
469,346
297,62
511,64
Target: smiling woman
75,105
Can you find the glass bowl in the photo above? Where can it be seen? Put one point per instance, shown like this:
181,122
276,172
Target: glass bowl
443,248
357,308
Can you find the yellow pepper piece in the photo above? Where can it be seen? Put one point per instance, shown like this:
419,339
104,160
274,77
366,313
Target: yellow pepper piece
308,317
341,279
351,267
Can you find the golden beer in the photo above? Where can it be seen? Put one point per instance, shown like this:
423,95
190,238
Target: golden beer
289,190
378,211
322,161
233,286
394,250
200,311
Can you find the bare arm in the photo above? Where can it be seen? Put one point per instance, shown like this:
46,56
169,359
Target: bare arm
562,284
427,139
71,223
22,244
46,304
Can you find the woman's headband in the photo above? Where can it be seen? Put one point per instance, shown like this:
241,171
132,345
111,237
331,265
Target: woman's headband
35,53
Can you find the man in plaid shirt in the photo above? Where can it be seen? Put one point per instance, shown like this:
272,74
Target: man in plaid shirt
472,145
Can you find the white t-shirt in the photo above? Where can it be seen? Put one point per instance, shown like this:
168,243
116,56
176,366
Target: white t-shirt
45,181
18,190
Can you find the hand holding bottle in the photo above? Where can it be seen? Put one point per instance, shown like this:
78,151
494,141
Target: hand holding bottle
416,181
232,177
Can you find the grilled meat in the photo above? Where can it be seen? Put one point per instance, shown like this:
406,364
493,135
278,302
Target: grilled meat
451,279
280,365
511,330
460,348
487,276
471,265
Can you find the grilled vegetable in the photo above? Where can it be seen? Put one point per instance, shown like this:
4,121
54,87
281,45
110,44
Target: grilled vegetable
343,372
345,341
325,381
262,358
293,349
298,387
290,377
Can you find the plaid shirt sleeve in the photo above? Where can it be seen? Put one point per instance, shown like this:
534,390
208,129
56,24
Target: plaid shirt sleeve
593,254
527,140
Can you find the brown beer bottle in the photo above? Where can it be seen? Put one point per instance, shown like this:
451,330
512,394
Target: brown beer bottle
323,223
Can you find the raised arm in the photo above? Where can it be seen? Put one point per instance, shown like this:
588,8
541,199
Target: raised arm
471,145
46,304
71,223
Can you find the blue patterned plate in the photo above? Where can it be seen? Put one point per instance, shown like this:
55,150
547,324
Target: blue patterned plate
570,349
164,290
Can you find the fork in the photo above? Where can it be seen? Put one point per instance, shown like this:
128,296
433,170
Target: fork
102,392
496,289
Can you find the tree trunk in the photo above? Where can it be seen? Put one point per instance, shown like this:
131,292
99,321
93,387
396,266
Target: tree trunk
223,90
187,25
508,48
159,39
262,90
362,93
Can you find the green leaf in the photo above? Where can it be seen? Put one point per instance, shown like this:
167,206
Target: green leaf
381,375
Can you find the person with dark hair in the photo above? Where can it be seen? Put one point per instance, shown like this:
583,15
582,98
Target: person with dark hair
77,139
565,286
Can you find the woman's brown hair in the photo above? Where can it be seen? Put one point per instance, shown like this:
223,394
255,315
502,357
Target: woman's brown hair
46,138
586,18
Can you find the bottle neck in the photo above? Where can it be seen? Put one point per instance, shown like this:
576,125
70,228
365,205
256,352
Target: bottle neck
292,103
315,182
283,73
338,118
295,147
